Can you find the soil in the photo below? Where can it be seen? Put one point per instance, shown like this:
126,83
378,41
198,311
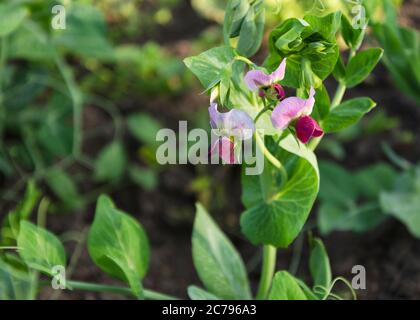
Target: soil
389,253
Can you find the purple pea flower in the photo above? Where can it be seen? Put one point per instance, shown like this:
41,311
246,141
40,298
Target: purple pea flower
233,124
306,128
294,108
258,80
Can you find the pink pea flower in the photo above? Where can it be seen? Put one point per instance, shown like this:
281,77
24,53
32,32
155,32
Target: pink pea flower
294,108
229,125
258,80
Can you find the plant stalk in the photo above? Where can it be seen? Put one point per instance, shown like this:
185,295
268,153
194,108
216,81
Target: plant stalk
267,273
86,286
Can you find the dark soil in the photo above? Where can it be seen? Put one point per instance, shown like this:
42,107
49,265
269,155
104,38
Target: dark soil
389,253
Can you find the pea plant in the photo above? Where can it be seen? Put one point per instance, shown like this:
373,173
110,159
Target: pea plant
286,128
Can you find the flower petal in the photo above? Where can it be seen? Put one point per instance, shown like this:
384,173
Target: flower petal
255,79
224,148
235,123
281,94
215,120
306,128
278,74
292,108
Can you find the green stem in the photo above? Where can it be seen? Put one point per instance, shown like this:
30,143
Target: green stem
77,101
268,268
274,161
264,110
339,94
3,58
246,60
148,294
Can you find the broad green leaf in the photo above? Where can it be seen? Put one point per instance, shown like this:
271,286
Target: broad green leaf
373,179
118,245
111,162
351,217
39,248
11,16
349,200
285,287
337,185
64,188
275,215
16,284
361,65
144,127
353,37
196,293
85,33
279,219
31,42
403,202
346,114
319,264
218,264
211,65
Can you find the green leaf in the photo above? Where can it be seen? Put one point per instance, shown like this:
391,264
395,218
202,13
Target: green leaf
275,215
327,26
337,185
211,65
286,287
144,177
370,181
64,188
401,56
361,65
16,284
353,37
118,245
218,264
319,264
22,211
85,33
11,16
111,163
403,202
309,46
39,248
349,200
252,30
31,42
196,293
346,114
351,217
144,127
